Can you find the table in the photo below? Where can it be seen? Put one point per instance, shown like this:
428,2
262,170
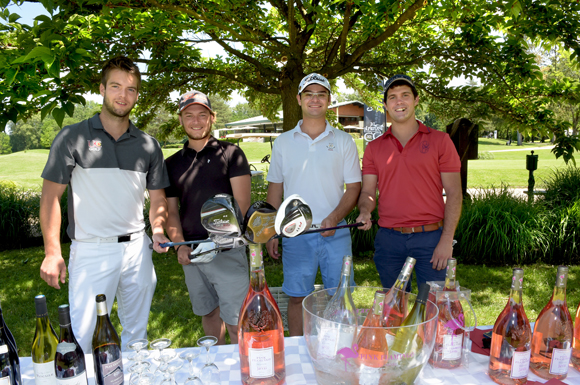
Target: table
299,370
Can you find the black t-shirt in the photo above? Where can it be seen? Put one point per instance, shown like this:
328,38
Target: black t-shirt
197,176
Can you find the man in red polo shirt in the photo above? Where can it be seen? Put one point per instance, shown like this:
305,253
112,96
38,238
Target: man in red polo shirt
410,165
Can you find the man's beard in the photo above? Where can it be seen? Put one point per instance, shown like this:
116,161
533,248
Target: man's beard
108,104
206,135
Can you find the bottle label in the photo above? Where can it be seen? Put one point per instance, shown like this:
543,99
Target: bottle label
65,347
261,362
369,375
3,349
80,379
5,380
44,373
113,372
560,361
452,347
327,340
520,364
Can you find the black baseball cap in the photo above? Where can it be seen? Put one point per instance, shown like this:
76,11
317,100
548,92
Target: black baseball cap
396,78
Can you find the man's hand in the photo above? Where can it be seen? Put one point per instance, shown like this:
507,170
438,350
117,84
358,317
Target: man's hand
183,255
272,247
442,253
365,218
328,222
204,252
51,269
157,239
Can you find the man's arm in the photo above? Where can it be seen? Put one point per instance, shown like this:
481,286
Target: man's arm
242,189
345,206
444,250
175,231
274,197
53,264
367,200
158,218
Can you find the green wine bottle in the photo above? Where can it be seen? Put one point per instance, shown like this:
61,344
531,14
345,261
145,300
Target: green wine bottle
44,345
106,348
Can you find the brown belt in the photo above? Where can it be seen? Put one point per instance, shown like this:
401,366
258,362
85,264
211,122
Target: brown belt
418,229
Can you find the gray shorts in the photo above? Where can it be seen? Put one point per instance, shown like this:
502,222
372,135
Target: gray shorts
222,282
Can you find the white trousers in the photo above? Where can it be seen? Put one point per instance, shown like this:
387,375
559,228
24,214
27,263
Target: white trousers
122,270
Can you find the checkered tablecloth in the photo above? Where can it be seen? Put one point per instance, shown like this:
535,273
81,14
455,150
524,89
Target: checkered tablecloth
299,369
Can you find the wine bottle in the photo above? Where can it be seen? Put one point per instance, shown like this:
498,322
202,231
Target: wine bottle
552,340
372,345
69,362
44,345
106,348
408,344
395,306
511,340
341,313
260,329
10,369
576,345
449,337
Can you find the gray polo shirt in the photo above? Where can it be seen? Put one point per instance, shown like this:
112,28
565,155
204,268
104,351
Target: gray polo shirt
107,178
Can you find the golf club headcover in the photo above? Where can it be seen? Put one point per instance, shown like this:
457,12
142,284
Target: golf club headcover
204,253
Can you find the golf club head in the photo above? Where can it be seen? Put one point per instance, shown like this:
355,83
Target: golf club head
259,226
255,206
228,243
221,216
294,217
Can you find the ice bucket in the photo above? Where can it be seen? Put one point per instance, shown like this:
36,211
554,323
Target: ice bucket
335,355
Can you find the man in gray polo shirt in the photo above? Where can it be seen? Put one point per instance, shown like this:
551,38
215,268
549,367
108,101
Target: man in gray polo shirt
205,167
107,164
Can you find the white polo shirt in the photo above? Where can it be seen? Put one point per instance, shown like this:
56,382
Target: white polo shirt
316,169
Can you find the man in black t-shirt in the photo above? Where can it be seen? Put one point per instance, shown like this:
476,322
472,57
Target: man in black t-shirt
205,167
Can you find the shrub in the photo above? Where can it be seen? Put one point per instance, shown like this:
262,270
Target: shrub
562,231
363,242
497,227
355,135
19,224
562,187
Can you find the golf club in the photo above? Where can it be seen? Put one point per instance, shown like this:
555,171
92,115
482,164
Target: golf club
260,222
172,244
321,230
221,215
294,217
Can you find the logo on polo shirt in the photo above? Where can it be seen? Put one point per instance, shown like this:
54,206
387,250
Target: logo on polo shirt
95,145
424,147
330,147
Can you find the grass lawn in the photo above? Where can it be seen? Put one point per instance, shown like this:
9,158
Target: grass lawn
25,168
171,314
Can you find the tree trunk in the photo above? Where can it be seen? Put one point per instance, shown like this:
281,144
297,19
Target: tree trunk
290,107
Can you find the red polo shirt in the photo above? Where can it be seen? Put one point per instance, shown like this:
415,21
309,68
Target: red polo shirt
409,178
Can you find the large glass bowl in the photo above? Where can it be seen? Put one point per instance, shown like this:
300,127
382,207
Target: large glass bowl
335,362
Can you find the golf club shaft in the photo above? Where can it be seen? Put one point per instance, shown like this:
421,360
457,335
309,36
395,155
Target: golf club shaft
172,244
312,231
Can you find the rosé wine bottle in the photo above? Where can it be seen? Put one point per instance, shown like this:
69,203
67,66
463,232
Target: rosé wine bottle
576,344
260,329
509,361
449,340
395,304
372,345
553,334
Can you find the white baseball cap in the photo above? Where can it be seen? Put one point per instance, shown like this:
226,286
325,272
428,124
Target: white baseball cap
313,78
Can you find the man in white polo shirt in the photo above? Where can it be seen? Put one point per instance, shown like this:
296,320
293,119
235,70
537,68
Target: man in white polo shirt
314,160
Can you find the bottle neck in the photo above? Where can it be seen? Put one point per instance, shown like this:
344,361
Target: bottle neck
559,293
450,277
257,276
404,275
66,333
516,296
42,323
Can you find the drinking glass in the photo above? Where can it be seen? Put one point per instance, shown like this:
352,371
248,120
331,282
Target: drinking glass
145,378
160,344
210,373
138,346
190,355
137,370
164,358
172,367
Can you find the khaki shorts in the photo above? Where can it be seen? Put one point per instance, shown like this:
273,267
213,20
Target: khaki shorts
222,282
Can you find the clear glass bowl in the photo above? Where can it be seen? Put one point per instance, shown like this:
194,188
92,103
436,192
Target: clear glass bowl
337,363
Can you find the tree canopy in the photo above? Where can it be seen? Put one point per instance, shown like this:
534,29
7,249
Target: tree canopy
270,45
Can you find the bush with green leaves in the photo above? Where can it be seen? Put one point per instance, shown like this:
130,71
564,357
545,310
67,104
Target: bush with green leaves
19,223
562,187
498,228
363,242
562,232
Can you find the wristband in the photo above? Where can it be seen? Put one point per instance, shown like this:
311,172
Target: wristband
176,250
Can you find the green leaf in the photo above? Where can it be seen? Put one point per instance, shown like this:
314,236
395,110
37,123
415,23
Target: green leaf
42,53
10,75
43,18
58,115
13,17
69,108
48,4
54,69
46,109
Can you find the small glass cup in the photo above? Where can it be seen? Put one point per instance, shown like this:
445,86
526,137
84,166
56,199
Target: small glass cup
139,349
210,374
190,355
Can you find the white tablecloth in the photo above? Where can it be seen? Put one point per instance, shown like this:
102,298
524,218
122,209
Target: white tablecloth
299,368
